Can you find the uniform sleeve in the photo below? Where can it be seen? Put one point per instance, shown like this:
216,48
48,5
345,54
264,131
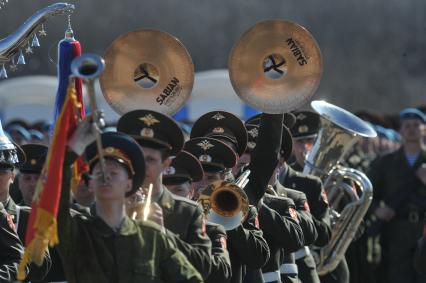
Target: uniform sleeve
198,246
420,256
248,242
375,175
264,157
37,273
281,229
175,267
307,224
64,216
220,262
320,212
11,250
306,221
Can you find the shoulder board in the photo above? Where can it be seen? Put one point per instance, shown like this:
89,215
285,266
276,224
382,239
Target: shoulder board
149,224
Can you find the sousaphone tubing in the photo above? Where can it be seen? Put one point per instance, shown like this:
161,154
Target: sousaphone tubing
147,69
275,66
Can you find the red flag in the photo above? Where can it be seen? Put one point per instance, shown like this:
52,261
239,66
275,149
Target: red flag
42,226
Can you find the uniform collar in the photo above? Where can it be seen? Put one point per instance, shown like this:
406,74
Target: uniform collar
10,206
128,227
166,200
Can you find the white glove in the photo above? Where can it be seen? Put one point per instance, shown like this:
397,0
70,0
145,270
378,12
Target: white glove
84,134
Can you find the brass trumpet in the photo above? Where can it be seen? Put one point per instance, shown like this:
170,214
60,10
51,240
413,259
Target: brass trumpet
88,67
226,203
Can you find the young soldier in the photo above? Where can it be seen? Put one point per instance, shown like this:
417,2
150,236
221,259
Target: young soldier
108,246
304,130
161,138
29,172
246,246
282,205
184,170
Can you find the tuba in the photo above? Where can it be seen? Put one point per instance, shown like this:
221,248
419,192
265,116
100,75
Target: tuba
339,132
226,203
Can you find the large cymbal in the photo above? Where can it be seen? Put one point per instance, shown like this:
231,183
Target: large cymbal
147,69
275,66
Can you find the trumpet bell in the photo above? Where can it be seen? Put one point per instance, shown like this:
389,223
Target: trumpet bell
224,203
88,66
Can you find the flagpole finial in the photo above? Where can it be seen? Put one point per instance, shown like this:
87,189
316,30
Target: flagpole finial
69,33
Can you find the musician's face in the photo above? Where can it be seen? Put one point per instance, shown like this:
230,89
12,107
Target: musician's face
83,195
412,130
207,179
242,161
154,166
27,184
183,190
301,147
6,179
117,181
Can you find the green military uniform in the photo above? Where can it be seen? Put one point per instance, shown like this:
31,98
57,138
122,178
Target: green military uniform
282,231
20,216
91,251
183,219
247,247
184,222
184,168
220,261
289,274
11,248
312,187
395,184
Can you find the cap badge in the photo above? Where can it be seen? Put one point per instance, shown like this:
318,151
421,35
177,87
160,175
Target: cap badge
109,150
149,120
33,162
218,130
205,158
205,145
147,132
301,116
251,145
253,132
218,116
303,129
170,170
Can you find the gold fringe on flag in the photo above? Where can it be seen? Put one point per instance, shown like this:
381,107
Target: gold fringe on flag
45,225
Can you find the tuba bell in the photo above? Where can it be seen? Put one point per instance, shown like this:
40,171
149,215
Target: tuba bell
226,203
340,130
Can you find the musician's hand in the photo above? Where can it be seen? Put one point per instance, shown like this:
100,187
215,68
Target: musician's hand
385,213
83,135
156,214
421,173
